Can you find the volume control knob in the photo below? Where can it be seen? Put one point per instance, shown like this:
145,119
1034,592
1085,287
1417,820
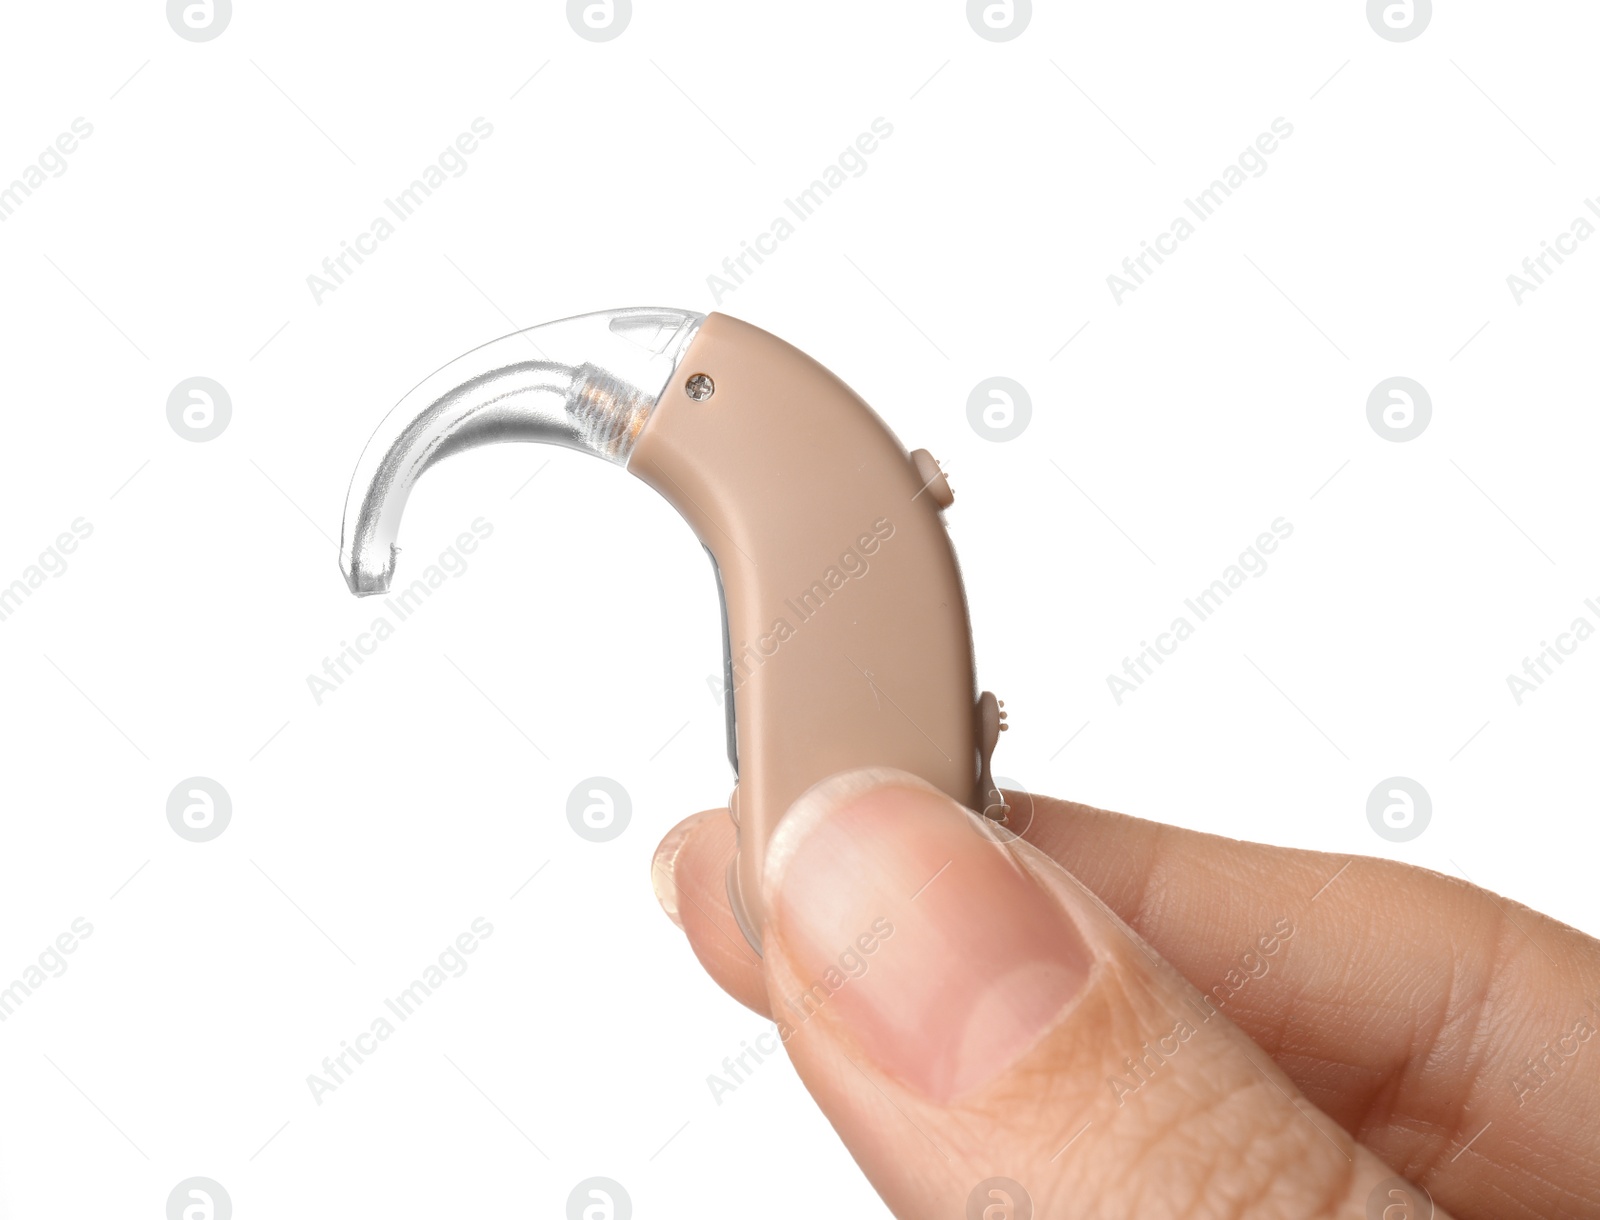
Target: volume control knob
932,478
991,723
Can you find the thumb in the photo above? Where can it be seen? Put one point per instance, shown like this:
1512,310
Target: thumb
990,1040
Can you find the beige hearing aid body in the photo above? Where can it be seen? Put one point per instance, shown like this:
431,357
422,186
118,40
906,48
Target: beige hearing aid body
845,624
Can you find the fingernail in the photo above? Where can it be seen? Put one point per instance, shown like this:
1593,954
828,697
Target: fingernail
663,864
905,922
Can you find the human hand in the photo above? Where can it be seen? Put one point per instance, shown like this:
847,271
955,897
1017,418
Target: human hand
967,1005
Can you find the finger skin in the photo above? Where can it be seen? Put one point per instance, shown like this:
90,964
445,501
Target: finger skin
1002,1023
1417,1011
693,861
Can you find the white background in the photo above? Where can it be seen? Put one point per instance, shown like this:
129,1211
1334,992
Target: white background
369,830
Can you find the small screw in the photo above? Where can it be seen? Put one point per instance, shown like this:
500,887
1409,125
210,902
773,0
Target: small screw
700,387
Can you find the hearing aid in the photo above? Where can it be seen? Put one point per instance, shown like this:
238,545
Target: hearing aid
846,641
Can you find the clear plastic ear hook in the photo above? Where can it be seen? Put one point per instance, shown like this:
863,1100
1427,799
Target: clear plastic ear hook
588,383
